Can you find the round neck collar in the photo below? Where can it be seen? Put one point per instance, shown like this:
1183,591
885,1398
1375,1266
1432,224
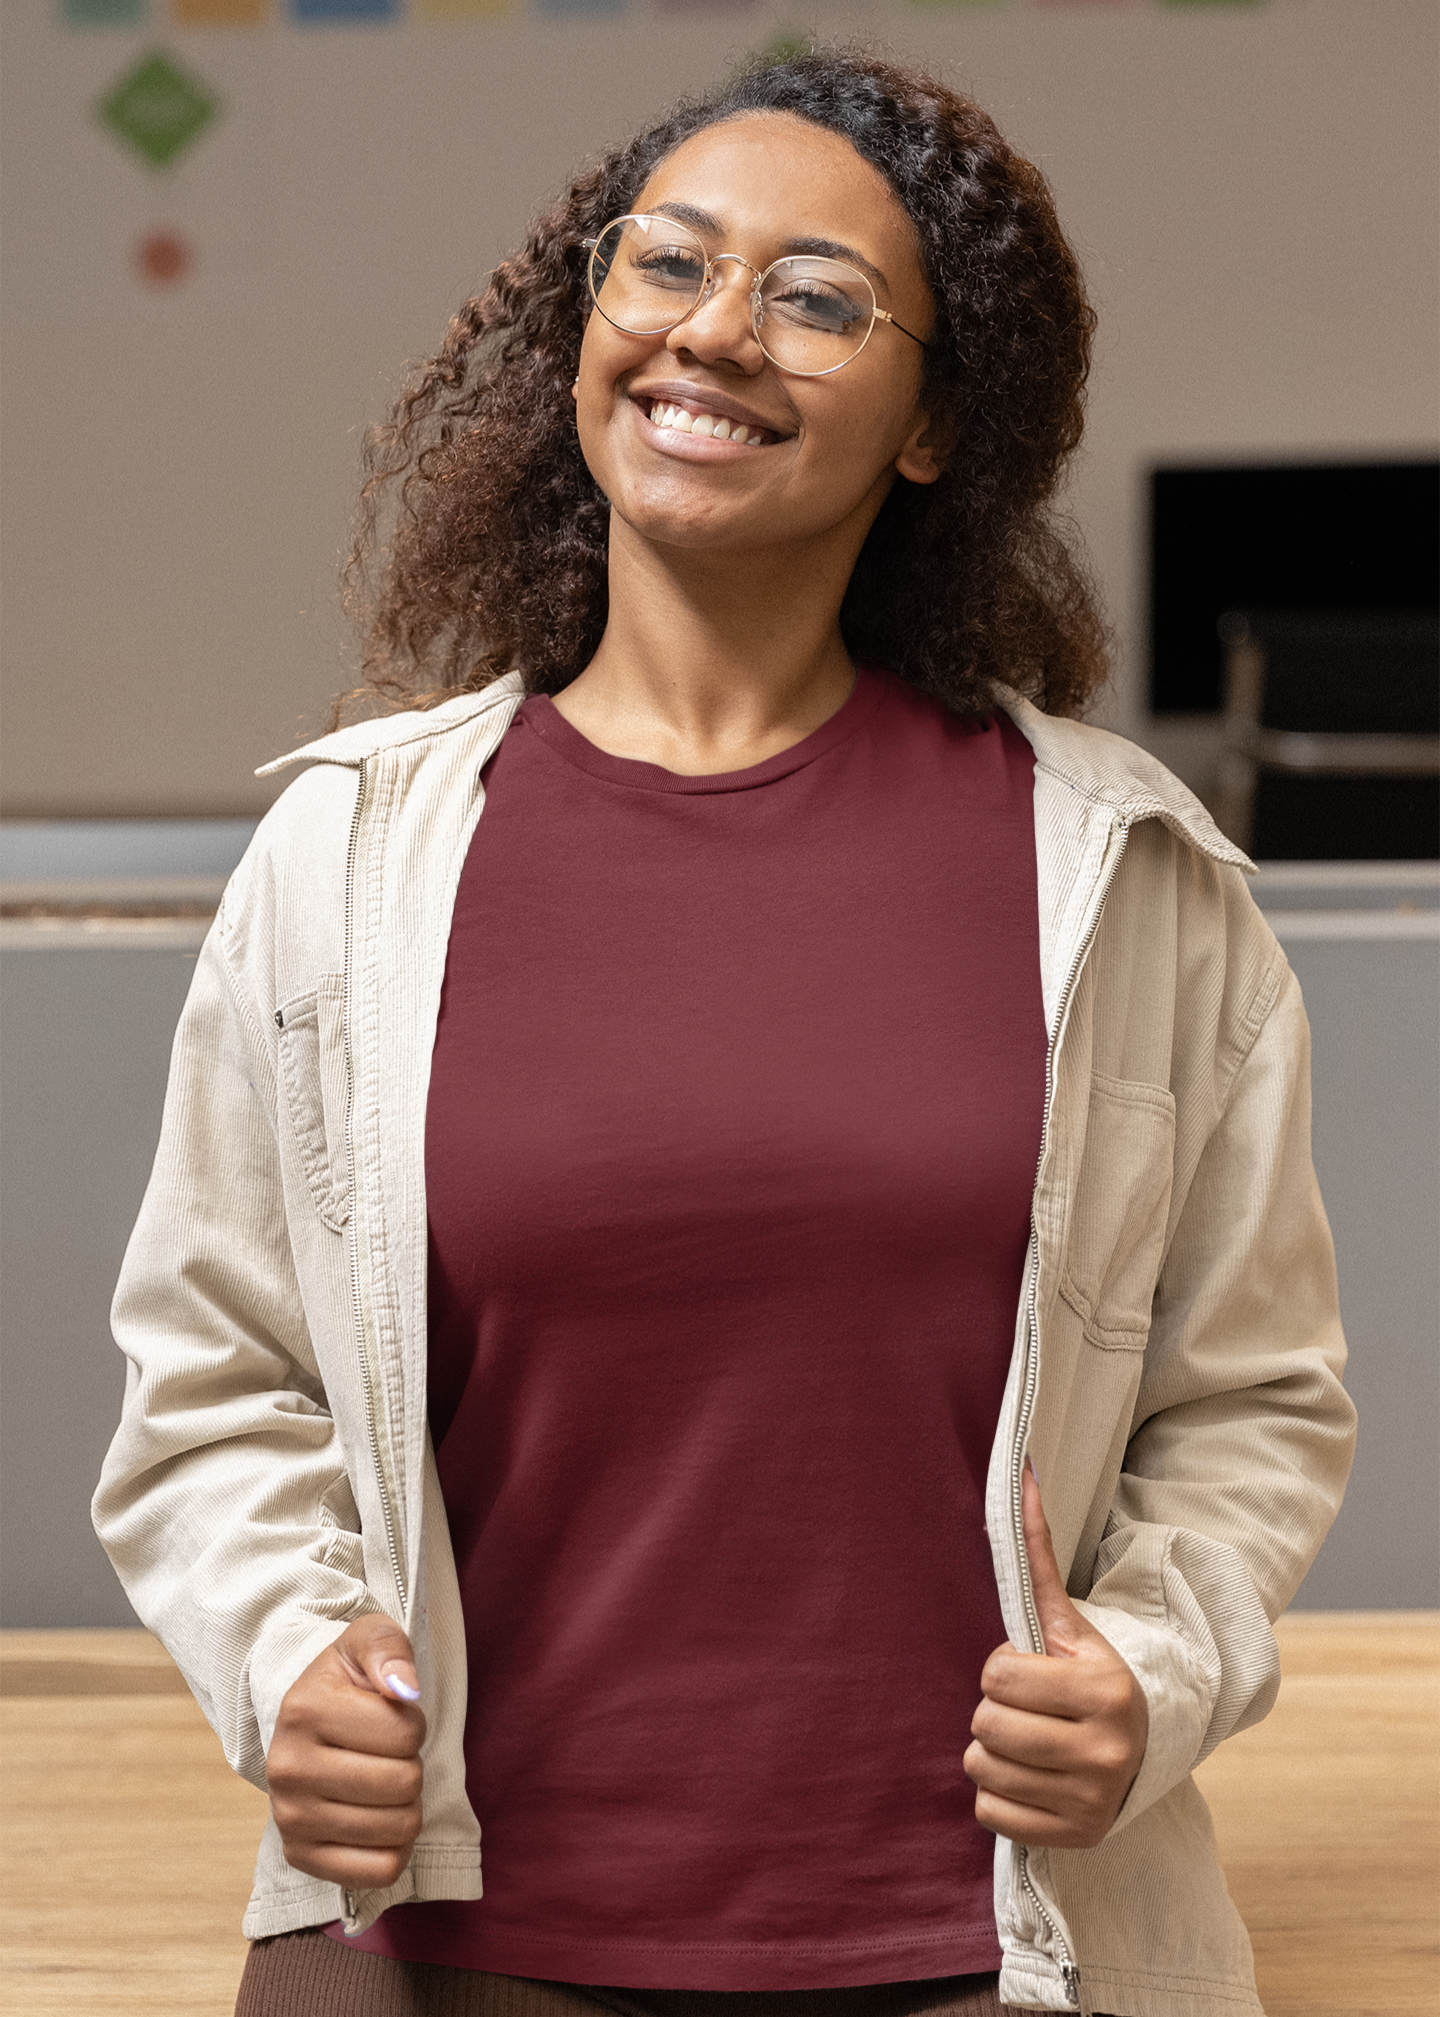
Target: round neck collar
540,714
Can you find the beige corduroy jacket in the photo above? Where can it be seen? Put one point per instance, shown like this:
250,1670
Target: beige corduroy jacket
1177,1358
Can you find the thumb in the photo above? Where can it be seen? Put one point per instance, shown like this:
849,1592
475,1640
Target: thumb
1061,1625
380,1658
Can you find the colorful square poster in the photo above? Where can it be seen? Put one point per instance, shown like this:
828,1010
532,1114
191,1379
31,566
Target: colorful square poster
339,12
577,10
158,109
219,13
461,10
103,13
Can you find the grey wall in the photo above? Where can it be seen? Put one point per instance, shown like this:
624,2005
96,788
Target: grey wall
1374,1007
87,1032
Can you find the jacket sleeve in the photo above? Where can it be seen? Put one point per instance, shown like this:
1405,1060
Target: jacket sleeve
1242,1434
224,1502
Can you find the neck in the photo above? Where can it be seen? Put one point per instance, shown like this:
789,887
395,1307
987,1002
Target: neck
714,661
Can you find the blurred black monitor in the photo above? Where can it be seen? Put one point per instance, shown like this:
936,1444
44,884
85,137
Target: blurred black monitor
1316,536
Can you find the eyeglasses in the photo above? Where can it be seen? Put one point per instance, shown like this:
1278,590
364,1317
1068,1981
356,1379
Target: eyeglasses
810,316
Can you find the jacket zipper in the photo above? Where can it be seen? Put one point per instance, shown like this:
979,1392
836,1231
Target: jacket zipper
357,1294
1069,1972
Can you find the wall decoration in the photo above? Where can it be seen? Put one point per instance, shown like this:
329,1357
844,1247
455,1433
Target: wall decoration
342,11
360,13
461,10
568,10
219,13
164,258
103,13
158,109
791,42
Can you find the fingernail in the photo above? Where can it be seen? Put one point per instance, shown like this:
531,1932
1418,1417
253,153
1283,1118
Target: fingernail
402,1690
1033,1472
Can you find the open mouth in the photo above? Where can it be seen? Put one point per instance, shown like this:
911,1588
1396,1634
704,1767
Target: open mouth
689,417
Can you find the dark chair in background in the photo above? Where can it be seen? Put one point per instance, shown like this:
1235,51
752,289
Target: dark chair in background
1332,735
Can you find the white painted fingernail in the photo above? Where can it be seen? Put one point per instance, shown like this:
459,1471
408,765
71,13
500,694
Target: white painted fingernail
401,1689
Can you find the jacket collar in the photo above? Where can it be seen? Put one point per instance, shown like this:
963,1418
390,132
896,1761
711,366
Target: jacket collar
1120,775
360,739
1091,761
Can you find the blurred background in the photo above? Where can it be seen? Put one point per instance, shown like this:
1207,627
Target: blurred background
228,225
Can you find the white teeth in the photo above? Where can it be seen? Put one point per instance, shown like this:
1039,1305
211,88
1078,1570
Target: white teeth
706,425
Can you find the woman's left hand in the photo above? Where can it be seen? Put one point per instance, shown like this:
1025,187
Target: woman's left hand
1061,1734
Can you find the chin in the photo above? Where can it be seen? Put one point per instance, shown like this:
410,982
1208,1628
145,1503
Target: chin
694,524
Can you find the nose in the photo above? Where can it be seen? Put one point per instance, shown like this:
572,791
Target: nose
721,326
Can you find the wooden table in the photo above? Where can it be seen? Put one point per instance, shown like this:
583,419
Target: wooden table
128,1843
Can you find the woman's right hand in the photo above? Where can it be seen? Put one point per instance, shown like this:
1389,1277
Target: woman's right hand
343,1769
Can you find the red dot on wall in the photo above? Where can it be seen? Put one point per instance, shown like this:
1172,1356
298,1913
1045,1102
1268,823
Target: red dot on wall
163,258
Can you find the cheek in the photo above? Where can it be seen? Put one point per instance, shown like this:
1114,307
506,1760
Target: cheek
595,396
588,375
865,432
605,356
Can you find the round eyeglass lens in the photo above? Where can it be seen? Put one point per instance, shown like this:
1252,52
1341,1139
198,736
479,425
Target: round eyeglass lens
814,315
647,274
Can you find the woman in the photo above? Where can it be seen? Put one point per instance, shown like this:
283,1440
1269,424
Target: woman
597,1329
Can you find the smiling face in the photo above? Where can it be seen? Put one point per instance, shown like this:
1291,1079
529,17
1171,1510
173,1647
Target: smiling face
697,439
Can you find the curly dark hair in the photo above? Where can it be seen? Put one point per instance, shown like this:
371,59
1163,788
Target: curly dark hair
496,556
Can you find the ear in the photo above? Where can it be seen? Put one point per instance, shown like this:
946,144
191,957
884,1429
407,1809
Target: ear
928,448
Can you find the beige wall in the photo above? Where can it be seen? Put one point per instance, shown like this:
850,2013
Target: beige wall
1253,191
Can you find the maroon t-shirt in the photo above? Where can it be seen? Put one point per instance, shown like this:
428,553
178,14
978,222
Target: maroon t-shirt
732,1128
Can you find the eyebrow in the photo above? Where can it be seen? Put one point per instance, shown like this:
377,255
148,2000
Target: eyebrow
705,222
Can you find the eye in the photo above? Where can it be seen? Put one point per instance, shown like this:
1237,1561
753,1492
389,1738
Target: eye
673,266
816,304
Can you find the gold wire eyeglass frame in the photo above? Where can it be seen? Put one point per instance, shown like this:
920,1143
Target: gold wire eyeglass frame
757,305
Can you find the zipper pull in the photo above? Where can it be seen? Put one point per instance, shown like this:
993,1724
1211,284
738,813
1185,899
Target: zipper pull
1070,1976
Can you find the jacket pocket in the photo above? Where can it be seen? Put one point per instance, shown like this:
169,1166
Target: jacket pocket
1122,1202
312,1072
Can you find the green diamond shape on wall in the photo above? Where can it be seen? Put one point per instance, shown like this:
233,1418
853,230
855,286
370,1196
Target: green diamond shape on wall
158,109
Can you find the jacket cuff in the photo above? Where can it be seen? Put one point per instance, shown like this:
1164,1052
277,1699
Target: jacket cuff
1179,1697
280,1656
